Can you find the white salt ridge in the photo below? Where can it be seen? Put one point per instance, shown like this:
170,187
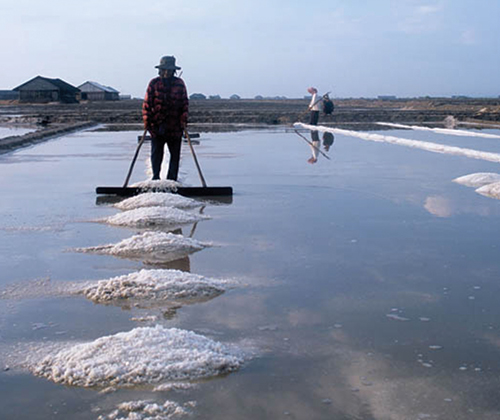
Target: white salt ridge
146,410
478,179
154,216
143,356
397,317
416,144
155,284
452,132
151,247
152,199
491,190
174,386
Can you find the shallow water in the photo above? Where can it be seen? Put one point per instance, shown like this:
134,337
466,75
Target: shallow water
370,280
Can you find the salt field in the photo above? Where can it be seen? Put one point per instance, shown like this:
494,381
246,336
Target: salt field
360,287
7,131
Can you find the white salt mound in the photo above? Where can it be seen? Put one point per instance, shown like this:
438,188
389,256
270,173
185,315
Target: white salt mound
158,185
146,410
154,216
478,179
490,190
143,356
150,247
155,284
152,199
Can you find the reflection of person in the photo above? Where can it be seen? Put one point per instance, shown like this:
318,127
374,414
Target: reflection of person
328,140
314,106
165,113
314,148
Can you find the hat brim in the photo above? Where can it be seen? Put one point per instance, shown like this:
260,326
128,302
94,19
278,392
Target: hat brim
168,67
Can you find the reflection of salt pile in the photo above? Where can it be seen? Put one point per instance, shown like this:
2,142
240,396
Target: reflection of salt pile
478,179
155,284
154,216
490,190
148,410
143,356
150,247
157,199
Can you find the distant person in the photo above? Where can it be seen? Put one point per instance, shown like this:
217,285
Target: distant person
314,106
165,115
314,148
328,140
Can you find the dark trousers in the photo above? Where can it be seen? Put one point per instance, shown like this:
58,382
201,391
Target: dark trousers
314,118
157,151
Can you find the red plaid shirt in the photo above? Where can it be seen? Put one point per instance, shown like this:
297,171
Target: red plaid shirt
165,107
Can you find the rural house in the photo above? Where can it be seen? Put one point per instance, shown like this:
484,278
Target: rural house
8,95
42,90
93,91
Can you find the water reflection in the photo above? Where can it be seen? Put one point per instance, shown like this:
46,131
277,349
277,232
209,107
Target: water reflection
328,140
444,207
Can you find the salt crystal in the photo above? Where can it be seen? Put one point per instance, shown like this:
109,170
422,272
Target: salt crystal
397,317
151,247
158,284
147,355
152,199
154,216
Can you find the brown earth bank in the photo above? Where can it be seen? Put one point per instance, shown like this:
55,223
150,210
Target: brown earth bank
266,112
226,115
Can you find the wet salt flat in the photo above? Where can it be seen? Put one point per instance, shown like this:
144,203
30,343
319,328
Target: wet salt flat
7,131
367,284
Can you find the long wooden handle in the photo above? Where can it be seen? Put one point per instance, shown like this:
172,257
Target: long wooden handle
312,145
195,159
135,158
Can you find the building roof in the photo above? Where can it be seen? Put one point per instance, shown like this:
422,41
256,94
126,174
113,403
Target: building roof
57,83
97,86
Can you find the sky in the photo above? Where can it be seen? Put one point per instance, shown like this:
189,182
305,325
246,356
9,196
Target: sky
351,48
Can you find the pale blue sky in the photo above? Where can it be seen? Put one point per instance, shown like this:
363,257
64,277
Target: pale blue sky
353,48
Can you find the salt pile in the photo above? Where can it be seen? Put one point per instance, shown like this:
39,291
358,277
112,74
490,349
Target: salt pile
155,284
147,410
478,179
158,185
153,216
490,190
152,247
143,356
152,199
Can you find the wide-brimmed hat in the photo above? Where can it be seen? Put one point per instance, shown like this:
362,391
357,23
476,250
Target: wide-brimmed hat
167,63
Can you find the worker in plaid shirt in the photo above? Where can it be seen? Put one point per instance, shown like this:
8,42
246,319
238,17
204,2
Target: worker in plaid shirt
165,114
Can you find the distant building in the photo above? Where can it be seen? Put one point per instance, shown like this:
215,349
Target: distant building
235,96
8,95
386,97
93,91
197,96
42,90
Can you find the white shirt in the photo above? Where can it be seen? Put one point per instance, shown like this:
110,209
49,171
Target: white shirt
315,104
